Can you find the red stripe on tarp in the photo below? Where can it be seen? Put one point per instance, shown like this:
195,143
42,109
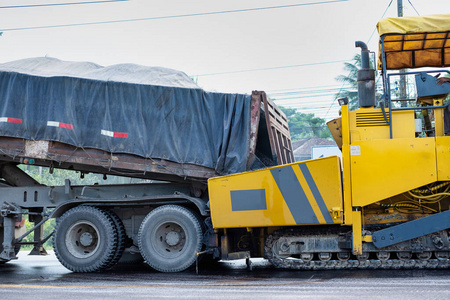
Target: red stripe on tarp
64,125
120,134
14,120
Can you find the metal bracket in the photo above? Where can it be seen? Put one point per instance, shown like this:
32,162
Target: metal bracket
384,112
19,239
9,209
8,252
10,213
412,229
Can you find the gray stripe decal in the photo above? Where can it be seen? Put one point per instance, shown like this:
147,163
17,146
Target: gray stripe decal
294,195
248,200
312,185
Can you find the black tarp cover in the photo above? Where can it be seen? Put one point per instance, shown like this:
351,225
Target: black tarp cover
116,109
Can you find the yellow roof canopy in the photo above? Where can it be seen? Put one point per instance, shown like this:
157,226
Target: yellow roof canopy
415,42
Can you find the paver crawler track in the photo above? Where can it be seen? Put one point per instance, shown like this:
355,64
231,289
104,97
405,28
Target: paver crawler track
336,264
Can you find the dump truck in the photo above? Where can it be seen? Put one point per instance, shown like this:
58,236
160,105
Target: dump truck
153,124
385,206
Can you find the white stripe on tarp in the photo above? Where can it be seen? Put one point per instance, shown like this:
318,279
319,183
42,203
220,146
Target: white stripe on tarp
115,134
10,120
107,133
59,125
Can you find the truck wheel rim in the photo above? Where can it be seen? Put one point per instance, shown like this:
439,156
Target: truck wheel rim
170,239
82,239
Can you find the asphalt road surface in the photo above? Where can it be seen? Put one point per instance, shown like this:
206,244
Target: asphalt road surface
35,277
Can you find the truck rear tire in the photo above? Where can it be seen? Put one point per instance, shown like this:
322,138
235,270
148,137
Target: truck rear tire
86,239
121,238
170,237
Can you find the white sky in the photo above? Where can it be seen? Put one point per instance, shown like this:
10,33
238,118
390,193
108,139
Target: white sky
311,35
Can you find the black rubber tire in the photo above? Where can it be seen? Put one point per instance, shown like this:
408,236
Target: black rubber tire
169,238
85,224
121,237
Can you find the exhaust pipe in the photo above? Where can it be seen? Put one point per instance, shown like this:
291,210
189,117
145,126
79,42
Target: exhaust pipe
366,78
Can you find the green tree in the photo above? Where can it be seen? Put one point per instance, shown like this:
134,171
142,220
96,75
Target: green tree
49,226
350,80
304,126
58,177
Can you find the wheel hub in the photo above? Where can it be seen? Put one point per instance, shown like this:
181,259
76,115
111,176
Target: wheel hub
172,238
86,239
82,239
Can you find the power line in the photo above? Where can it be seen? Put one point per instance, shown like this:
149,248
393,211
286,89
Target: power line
321,126
175,16
305,100
302,88
302,107
375,29
333,102
302,92
291,100
60,4
414,8
271,68
306,105
298,98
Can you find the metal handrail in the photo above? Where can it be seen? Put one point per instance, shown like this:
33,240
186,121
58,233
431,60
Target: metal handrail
387,87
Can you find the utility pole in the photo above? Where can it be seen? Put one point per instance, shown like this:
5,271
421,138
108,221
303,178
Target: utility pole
402,84
400,8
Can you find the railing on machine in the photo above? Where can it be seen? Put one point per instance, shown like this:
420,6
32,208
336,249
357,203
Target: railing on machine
425,94
426,88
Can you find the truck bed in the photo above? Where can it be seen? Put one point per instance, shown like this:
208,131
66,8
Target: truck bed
111,125
270,150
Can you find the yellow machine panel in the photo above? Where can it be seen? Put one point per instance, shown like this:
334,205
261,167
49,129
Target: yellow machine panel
370,124
304,193
384,168
443,158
